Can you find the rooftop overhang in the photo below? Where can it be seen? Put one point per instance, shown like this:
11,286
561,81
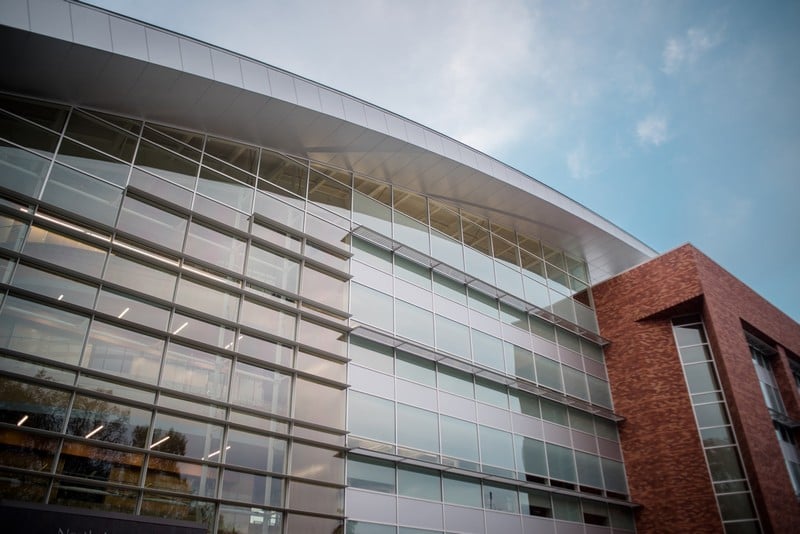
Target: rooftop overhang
86,56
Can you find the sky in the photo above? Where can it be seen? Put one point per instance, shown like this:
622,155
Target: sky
678,121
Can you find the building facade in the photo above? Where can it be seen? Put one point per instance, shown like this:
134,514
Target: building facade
238,301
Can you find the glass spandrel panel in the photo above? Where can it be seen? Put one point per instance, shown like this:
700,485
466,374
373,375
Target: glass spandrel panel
700,377
22,171
151,223
262,389
371,417
689,334
100,419
497,448
452,337
418,429
414,323
371,474
268,320
459,438
216,185
274,269
317,463
54,286
560,462
419,483
371,354
416,369
197,372
488,350
372,307
215,247
12,232
548,372
455,381
530,455
207,299
181,477
39,330
251,488
115,350
255,451
502,498
318,403
324,288
32,406
140,277
462,491
64,251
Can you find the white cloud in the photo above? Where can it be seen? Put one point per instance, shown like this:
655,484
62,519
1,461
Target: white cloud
686,49
579,164
652,130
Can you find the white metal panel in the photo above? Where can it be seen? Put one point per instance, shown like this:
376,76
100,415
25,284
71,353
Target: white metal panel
331,103
505,523
90,27
14,13
371,506
463,520
226,67
196,58
51,18
254,77
354,111
419,514
128,38
282,86
163,49
307,94
376,120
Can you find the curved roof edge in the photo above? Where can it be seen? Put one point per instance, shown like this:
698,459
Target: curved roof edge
88,56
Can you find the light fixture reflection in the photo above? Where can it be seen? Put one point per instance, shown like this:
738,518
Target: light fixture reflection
159,442
61,296
181,327
121,315
22,421
95,431
215,453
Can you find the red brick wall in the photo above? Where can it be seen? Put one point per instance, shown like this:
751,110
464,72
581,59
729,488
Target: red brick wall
664,459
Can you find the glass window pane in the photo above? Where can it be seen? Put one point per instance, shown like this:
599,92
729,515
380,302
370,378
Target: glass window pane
54,286
96,463
519,361
318,403
488,350
251,488
496,448
575,382
207,299
104,420
233,520
196,371
64,251
101,135
455,381
491,393
265,350
93,162
321,367
215,247
419,483
503,498
371,354
535,503
418,429
329,193
166,164
317,463
20,170
710,415
140,277
700,377
268,320
201,331
219,187
560,462
132,309
588,469
255,451
324,288
115,350
462,490
554,412
12,232
181,477
548,372
274,210
452,337
530,455
260,388
313,498
276,237
525,403
82,194
689,334
417,369
40,330
371,474
566,508
322,338
723,462
371,417
459,438
614,476
186,437
372,214
27,134
31,406
599,391
274,269
372,307
152,224
414,323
